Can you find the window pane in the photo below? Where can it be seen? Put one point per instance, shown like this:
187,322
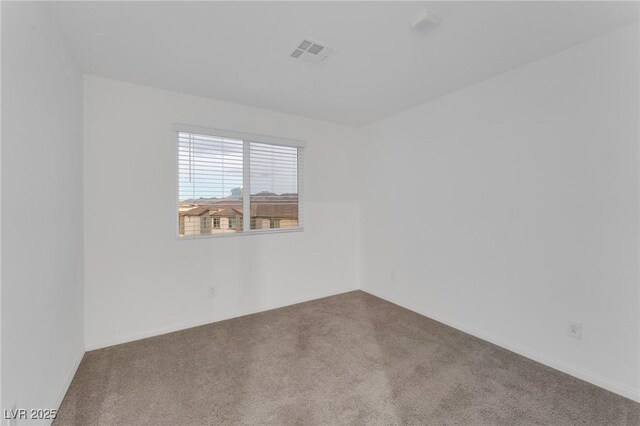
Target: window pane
274,186
210,182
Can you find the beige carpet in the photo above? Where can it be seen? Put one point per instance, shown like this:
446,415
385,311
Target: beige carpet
346,359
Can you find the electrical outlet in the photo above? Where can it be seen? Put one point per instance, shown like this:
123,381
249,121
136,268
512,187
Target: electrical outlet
392,276
575,329
212,291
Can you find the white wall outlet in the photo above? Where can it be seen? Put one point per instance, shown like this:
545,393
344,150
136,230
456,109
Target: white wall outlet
392,276
212,291
574,329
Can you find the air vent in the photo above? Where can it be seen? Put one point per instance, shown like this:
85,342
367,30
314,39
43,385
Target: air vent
312,52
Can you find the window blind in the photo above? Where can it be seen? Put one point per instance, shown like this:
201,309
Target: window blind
221,178
274,186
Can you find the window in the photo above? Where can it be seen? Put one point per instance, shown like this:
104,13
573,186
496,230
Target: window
222,175
181,225
274,186
205,225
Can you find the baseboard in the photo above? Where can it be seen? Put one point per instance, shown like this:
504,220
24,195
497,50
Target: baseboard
90,346
549,361
67,382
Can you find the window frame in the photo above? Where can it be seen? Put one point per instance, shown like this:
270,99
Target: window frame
246,139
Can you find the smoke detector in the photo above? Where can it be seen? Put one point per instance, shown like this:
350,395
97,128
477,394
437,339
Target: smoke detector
312,52
424,21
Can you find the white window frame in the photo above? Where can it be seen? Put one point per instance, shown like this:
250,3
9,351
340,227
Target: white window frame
246,139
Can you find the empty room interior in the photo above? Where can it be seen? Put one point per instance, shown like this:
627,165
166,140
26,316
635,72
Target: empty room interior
320,213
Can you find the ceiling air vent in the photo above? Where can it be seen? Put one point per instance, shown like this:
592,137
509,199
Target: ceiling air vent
312,52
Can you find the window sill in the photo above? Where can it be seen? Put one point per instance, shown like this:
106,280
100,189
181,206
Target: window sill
239,234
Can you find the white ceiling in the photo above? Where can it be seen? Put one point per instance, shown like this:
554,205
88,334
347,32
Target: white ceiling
239,52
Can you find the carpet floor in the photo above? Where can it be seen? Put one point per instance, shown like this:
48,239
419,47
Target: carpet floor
346,359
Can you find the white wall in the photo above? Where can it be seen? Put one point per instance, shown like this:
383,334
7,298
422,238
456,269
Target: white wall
139,279
511,206
42,314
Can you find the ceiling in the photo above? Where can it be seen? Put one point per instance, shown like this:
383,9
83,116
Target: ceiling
239,51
